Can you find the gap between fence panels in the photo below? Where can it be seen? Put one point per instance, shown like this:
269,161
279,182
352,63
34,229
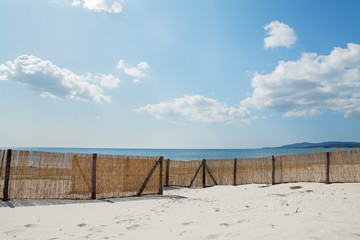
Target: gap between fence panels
31,174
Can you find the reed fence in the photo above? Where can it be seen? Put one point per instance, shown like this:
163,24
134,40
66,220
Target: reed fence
32,174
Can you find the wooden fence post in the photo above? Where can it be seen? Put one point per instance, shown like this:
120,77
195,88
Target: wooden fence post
148,177
93,179
210,174
204,174
327,172
272,170
7,175
167,172
161,188
234,176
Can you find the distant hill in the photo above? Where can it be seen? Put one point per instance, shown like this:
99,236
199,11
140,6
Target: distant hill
323,145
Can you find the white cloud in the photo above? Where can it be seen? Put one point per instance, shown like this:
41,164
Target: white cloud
143,65
121,64
109,81
55,82
110,6
311,85
302,113
76,3
197,108
137,81
281,35
133,71
47,94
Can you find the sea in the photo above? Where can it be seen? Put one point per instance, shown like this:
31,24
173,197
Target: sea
188,154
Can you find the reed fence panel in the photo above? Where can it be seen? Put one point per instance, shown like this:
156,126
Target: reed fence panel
222,170
81,176
121,176
253,170
71,175
345,166
310,167
40,175
181,173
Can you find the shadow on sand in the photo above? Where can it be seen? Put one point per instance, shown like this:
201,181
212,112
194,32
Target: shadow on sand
12,203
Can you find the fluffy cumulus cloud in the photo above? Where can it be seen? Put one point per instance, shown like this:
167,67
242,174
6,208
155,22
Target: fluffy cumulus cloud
197,108
311,85
55,82
110,6
280,35
136,72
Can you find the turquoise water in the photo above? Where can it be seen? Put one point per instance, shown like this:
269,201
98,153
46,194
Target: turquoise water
191,154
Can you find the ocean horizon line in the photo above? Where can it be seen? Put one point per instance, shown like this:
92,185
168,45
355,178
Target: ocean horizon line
186,154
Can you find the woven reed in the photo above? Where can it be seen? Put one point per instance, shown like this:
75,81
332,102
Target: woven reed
345,166
253,170
309,167
69,175
39,175
222,170
120,176
181,173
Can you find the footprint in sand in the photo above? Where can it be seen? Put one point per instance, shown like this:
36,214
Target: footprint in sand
242,221
95,229
13,232
87,236
30,225
125,220
224,224
133,227
187,223
213,236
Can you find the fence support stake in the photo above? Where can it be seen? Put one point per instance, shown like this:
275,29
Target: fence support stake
148,177
196,173
93,179
7,175
327,178
167,172
273,170
211,176
234,176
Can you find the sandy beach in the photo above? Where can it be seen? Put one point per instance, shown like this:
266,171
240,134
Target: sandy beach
284,211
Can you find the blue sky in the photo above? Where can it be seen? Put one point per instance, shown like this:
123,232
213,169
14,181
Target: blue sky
178,74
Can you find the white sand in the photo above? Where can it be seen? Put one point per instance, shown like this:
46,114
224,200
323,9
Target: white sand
315,211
